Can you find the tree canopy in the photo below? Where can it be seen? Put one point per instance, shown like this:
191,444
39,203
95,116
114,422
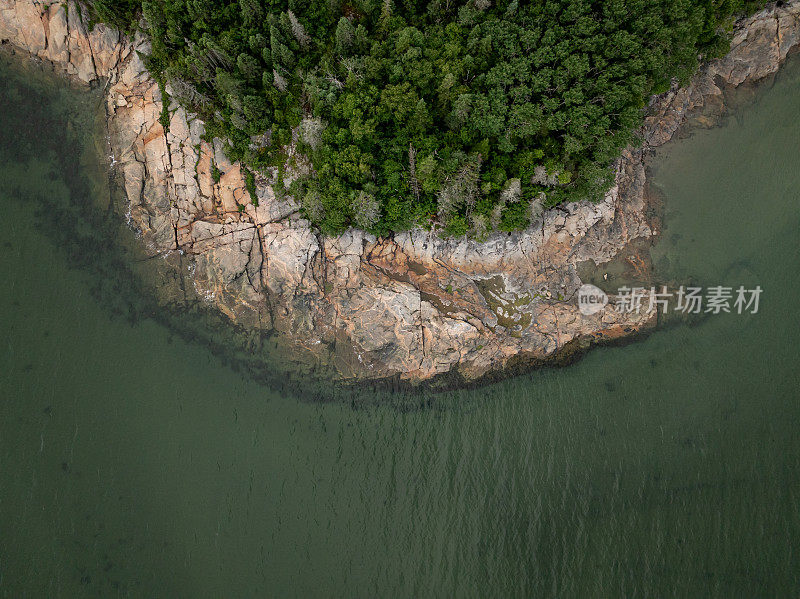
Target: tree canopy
466,115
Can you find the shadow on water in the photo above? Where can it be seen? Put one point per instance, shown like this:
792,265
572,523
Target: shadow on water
49,121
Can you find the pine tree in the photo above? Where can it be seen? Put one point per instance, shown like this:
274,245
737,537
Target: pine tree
345,35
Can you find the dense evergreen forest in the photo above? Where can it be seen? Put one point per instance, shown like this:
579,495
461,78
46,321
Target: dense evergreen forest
469,116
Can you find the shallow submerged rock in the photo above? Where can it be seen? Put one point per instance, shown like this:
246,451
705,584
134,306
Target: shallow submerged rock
412,307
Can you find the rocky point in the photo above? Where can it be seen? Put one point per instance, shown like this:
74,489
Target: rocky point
414,306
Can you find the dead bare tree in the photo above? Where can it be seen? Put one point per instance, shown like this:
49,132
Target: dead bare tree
412,171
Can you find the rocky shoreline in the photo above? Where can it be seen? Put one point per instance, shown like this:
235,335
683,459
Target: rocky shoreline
414,307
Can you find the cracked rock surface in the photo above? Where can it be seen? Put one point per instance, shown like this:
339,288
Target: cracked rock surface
413,306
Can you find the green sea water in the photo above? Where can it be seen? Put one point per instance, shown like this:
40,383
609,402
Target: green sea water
137,460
